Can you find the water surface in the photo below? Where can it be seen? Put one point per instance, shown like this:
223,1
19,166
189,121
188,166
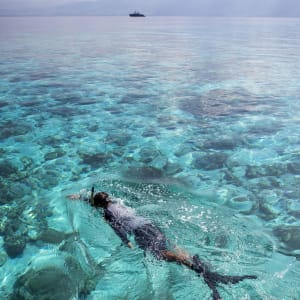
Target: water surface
194,122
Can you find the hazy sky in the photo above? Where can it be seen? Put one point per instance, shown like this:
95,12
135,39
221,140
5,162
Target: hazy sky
285,8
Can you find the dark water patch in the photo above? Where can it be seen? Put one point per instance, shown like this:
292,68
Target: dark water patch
95,160
148,154
184,149
172,169
27,162
67,98
219,102
210,161
65,278
12,190
222,144
150,133
265,128
134,98
40,76
143,173
93,128
294,167
7,169
56,85
86,102
118,137
274,170
52,141
289,236
49,282
231,178
115,110
54,154
10,129
52,236
17,79
65,112
31,103
47,176
14,245
3,104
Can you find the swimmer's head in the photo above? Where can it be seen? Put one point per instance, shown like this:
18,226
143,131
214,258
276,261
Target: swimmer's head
101,199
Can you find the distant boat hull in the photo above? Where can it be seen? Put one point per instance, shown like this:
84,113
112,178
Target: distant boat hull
136,14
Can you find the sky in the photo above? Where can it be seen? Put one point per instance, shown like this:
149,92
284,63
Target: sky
248,8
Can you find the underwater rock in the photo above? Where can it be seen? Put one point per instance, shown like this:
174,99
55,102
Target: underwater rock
143,173
2,104
14,245
253,172
48,176
210,162
53,141
147,154
289,236
269,204
95,160
294,167
230,177
11,190
27,162
65,111
159,162
47,283
121,138
63,275
184,149
149,133
52,236
7,169
3,258
221,144
10,129
219,102
68,98
93,128
274,170
241,203
54,154
172,168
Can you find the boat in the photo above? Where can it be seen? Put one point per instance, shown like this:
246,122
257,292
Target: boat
136,14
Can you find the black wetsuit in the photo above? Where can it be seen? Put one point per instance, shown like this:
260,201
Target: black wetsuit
124,221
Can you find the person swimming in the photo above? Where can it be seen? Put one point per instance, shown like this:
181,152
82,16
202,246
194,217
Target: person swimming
150,238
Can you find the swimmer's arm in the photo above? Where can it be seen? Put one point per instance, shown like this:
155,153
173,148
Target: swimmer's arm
82,195
118,228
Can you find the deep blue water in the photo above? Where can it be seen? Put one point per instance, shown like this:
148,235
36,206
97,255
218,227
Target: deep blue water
194,122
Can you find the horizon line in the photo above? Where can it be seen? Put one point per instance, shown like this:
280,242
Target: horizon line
157,15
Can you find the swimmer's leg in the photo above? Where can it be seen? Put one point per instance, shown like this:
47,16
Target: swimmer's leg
212,278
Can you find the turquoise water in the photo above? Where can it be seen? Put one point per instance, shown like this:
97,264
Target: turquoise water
194,122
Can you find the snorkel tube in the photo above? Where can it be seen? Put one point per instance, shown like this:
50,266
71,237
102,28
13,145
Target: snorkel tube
92,196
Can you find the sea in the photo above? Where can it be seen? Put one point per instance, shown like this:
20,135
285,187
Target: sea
192,122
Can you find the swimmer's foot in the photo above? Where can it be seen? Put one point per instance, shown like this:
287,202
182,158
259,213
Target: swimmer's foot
212,278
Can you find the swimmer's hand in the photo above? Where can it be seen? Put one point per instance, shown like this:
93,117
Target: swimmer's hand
130,245
73,197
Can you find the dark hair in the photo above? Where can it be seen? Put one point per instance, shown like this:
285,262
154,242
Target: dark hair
101,199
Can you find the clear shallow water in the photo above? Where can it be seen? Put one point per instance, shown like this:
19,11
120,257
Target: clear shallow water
194,122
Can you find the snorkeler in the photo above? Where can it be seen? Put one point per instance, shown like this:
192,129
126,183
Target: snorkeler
148,237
